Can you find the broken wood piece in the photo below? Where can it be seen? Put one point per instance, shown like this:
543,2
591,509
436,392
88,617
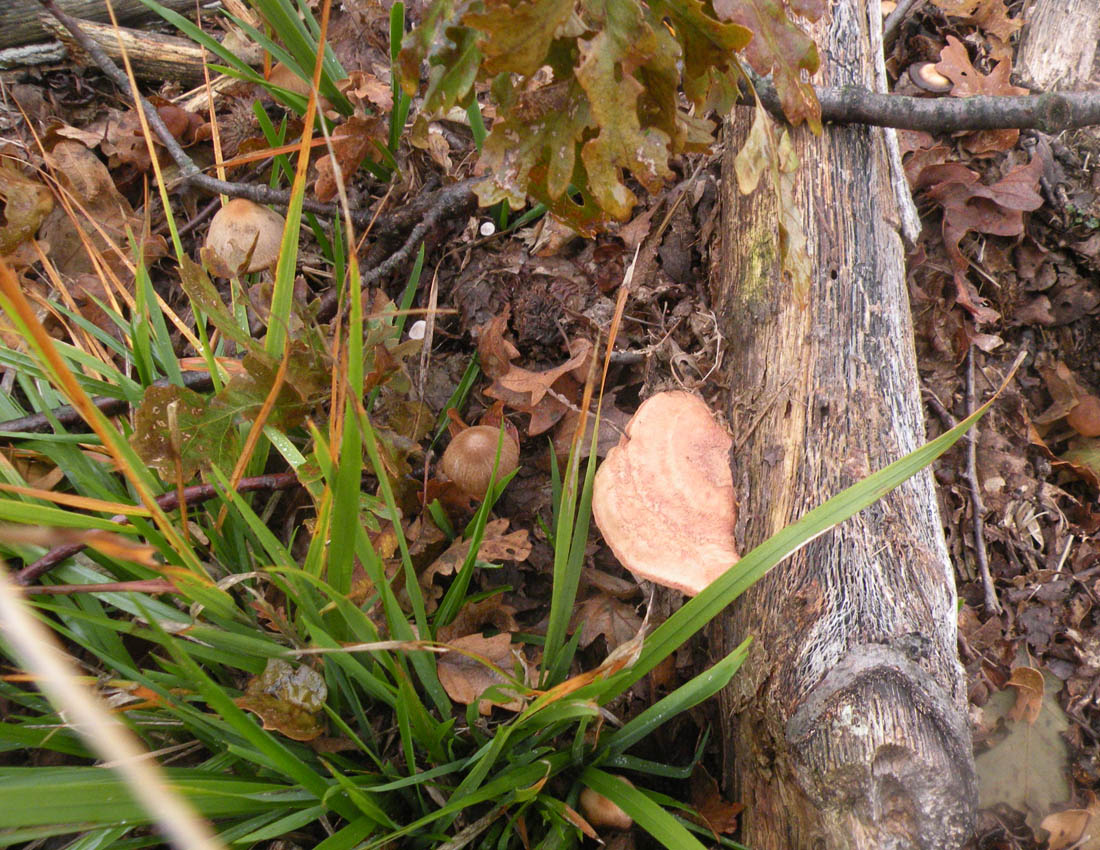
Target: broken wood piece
23,22
153,56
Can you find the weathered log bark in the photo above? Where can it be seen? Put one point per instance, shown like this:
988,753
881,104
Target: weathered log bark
152,55
848,726
23,18
1058,46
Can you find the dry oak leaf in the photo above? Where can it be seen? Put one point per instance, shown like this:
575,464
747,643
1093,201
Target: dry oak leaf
474,616
601,614
1028,683
971,206
351,142
89,183
364,87
780,47
24,203
956,66
717,813
497,544
494,352
537,384
465,675
1076,828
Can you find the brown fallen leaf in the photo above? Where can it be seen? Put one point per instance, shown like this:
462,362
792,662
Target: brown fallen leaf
718,814
474,616
1066,828
605,615
1028,683
480,663
497,544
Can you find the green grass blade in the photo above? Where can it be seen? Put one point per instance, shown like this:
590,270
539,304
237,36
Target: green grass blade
688,695
647,814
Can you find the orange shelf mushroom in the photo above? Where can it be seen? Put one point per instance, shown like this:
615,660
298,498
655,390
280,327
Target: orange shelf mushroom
663,498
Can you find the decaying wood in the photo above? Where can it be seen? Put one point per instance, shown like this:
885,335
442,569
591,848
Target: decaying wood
847,728
1058,45
23,18
153,56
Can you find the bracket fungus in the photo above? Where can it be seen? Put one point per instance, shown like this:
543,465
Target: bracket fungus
663,498
244,237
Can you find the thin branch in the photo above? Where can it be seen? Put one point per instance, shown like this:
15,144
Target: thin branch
896,18
69,416
992,606
970,475
451,201
1050,112
167,502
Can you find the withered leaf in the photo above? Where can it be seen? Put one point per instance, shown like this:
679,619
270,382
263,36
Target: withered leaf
286,699
466,678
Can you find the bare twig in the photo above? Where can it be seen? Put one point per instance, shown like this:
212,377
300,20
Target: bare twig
167,502
67,415
450,201
992,606
1050,112
970,475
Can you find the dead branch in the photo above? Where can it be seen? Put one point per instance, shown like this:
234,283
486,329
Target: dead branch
167,502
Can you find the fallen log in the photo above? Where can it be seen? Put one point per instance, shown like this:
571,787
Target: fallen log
847,727
23,18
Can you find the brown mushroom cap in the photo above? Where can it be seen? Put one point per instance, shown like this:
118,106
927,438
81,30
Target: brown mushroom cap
925,75
601,812
664,499
468,460
238,228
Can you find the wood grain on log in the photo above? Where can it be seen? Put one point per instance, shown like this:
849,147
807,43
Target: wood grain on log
23,18
1058,45
847,728
153,56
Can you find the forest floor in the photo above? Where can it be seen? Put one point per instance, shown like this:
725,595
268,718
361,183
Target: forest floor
530,300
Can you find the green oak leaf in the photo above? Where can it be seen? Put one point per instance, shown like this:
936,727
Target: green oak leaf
517,36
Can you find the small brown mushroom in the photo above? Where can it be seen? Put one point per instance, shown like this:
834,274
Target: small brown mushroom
468,460
663,498
925,76
244,237
601,812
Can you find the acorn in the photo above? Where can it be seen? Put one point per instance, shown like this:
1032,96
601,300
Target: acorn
468,460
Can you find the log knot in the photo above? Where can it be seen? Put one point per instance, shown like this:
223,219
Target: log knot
884,753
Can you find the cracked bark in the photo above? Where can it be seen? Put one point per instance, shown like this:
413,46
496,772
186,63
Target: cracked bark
847,728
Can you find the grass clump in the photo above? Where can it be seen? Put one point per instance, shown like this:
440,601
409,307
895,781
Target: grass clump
281,657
